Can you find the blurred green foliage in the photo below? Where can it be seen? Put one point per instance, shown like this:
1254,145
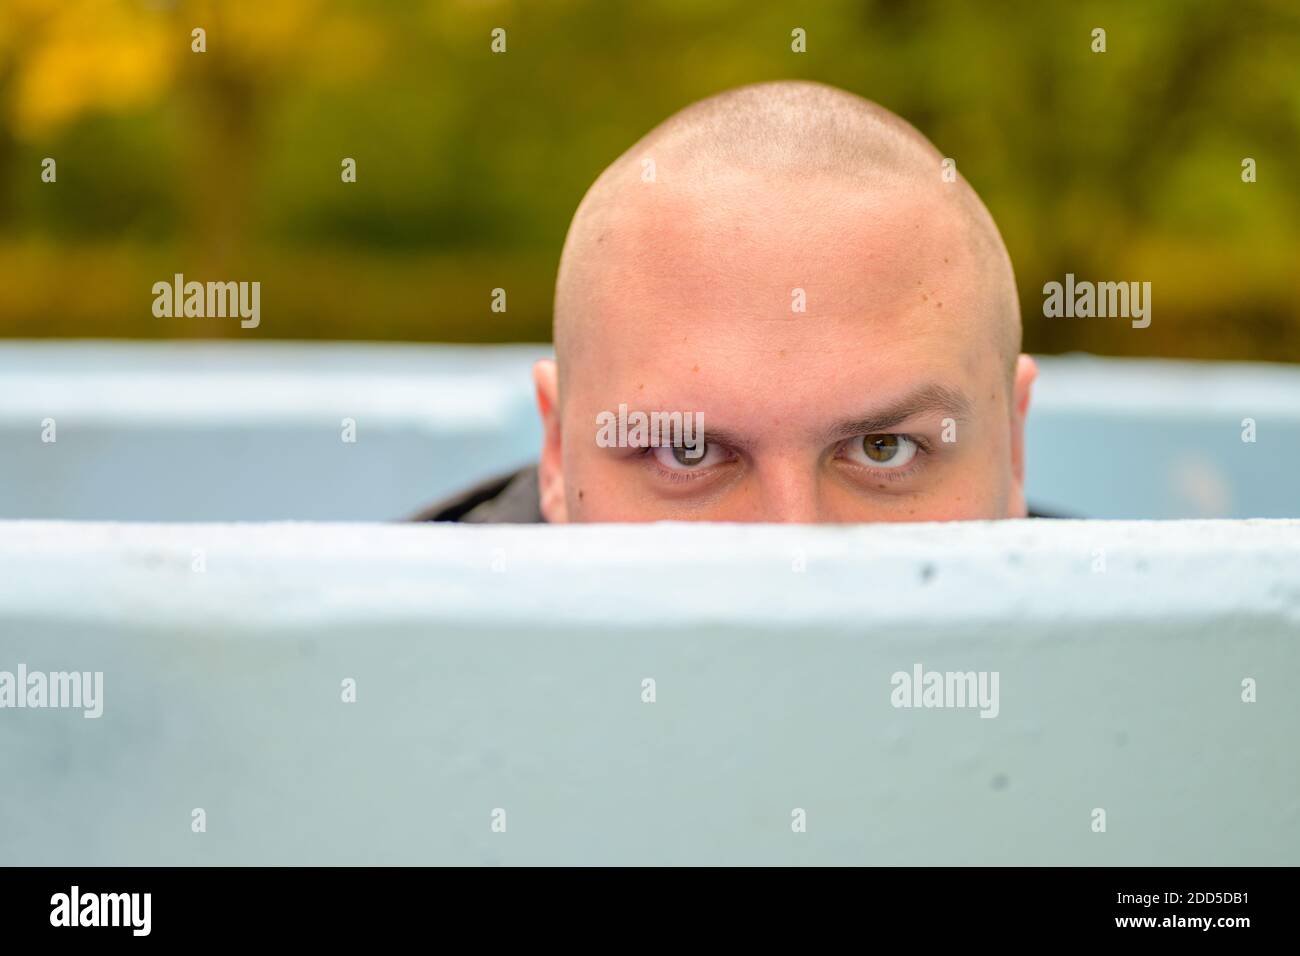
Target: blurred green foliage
1123,166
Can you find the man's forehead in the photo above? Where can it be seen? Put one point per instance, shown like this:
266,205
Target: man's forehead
778,286
774,381
754,212
776,251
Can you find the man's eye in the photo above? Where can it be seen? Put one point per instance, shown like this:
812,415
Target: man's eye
688,457
882,451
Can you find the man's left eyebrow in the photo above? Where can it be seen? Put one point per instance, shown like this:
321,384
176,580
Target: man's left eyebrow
928,399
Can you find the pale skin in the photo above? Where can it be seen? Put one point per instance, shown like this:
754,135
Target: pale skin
888,399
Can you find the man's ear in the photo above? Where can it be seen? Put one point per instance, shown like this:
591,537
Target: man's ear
1026,373
550,469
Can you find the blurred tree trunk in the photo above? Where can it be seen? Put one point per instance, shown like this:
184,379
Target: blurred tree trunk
221,124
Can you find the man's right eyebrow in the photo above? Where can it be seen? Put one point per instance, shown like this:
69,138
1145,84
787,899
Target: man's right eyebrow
928,399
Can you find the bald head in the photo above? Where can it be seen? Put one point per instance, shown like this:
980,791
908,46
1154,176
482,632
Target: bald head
790,263
766,138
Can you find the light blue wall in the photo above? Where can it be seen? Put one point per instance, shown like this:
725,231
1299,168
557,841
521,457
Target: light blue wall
227,431
501,667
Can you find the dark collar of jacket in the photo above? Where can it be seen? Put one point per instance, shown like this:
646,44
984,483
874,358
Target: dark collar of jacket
506,499
512,499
